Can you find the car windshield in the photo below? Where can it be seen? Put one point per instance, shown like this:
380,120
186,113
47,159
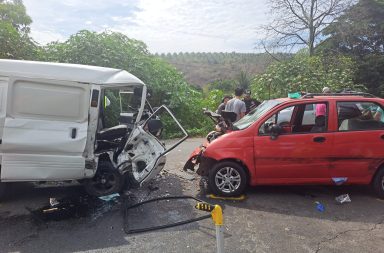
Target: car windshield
255,114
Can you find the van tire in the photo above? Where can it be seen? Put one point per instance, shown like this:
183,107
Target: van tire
378,183
3,188
106,181
231,171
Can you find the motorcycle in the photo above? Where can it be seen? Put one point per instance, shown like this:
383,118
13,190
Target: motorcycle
223,123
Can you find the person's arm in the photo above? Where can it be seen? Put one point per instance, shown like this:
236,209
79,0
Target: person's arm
378,114
243,109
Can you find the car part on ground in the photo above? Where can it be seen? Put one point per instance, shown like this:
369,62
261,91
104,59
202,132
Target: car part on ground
167,198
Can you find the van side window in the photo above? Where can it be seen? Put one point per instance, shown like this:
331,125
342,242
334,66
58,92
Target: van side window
62,101
358,116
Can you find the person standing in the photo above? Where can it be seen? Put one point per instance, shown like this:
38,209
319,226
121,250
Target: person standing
321,109
250,103
223,103
236,105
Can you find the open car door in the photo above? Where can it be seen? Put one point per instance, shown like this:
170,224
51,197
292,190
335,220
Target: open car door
144,153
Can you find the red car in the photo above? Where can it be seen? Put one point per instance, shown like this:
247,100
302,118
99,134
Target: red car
345,145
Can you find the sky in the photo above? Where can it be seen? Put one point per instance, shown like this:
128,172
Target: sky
164,25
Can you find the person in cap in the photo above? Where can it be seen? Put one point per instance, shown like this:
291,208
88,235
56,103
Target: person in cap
250,103
326,90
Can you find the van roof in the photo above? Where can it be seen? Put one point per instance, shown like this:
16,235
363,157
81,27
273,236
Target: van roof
66,71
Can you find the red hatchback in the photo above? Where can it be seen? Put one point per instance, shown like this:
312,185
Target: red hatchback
317,139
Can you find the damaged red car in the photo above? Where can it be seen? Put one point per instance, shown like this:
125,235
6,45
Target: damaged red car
321,139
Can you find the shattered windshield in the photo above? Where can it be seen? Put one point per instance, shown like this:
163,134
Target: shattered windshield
255,114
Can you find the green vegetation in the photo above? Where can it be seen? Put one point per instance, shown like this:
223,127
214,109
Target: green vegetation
201,69
359,34
351,56
305,73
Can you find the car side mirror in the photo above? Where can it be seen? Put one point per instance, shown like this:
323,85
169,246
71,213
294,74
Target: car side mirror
275,130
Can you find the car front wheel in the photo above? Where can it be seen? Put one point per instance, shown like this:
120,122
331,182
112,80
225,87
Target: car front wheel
378,183
227,179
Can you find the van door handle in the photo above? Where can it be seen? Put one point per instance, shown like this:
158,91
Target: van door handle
73,133
319,139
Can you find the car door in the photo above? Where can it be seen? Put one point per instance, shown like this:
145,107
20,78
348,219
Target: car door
359,139
45,130
296,156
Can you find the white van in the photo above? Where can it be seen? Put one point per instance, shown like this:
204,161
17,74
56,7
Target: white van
52,119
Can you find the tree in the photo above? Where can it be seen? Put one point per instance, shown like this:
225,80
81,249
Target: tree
301,22
359,33
111,49
15,42
305,73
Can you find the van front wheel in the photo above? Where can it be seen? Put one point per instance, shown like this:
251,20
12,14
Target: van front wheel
2,190
107,181
227,179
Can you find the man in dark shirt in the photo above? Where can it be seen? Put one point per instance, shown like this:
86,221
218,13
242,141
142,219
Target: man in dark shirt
250,103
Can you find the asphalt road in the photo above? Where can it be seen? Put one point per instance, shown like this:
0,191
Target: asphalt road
271,219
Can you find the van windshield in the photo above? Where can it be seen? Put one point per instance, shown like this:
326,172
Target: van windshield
255,114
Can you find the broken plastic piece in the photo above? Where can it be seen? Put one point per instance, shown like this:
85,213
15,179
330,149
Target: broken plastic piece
110,197
53,202
320,207
343,199
339,180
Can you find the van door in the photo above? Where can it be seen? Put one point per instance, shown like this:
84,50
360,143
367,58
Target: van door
3,104
45,130
146,152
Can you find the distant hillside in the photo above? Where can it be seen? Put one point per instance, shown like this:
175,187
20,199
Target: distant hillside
200,69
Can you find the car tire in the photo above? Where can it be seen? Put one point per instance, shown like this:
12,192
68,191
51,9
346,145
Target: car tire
227,179
106,181
378,183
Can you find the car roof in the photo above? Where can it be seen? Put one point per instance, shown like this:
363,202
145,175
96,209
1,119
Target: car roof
69,72
325,98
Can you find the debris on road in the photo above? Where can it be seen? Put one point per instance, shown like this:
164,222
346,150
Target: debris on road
110,197
343,199
320,207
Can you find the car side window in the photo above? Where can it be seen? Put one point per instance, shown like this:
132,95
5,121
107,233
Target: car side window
283,117
359,116
302,118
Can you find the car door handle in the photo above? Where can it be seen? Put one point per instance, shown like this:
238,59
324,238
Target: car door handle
382,137
319,139
73,133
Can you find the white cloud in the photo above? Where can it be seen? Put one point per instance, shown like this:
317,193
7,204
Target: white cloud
165,26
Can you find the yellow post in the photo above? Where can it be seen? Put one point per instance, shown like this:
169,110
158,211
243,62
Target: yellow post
217,217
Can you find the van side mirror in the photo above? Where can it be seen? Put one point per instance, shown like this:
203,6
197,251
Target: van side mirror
275,131
155,126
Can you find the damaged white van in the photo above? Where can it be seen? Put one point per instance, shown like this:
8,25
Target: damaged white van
52,127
